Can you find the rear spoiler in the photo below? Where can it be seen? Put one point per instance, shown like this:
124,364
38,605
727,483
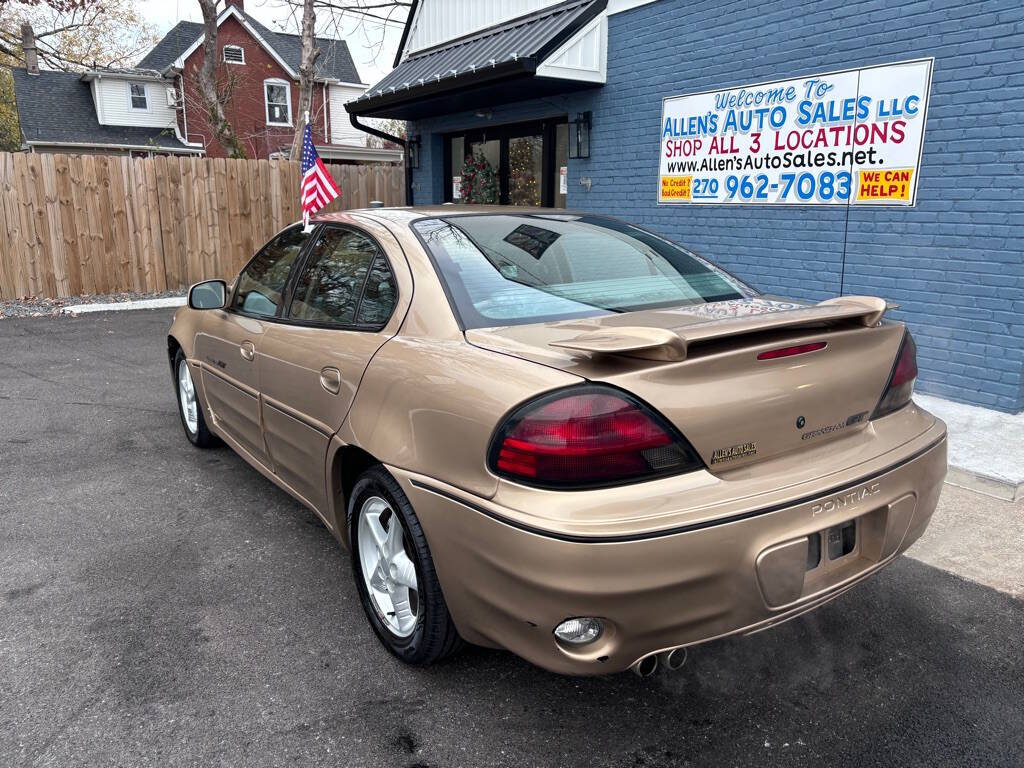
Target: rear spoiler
666,345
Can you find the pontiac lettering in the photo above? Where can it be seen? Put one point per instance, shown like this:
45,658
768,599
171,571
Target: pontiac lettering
850,499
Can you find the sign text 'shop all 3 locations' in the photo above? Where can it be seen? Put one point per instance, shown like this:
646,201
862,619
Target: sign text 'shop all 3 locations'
845,138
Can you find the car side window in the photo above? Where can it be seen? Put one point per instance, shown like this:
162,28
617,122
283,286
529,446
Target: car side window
262,281
332,281
379,296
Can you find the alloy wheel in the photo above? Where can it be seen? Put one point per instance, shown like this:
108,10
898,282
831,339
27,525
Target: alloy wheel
187,396
388,571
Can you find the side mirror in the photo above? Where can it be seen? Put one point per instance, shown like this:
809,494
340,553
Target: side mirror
210,294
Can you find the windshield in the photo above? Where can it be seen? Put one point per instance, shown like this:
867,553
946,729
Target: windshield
527,268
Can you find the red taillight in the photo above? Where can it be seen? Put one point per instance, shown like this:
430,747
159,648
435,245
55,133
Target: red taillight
800,349
901,381
585,437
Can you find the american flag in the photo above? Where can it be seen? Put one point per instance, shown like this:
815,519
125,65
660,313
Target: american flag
318,188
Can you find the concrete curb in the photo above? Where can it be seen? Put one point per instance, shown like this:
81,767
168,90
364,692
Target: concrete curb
986,447
118,306
990,486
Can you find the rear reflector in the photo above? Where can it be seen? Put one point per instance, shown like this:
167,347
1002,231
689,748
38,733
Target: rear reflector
800,349
585,437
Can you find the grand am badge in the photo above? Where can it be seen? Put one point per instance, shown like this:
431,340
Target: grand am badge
856,418
733,452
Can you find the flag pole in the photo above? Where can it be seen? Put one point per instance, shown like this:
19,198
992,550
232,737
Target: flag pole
306,226
318,188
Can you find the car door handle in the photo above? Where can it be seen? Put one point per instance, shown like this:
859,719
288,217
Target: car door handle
247,350
330,379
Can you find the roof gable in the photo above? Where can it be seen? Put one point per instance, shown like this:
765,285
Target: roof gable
335,61
173,44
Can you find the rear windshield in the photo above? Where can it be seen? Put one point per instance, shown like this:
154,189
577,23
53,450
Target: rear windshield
528,268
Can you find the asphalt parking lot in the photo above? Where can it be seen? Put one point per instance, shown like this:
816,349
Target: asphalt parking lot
165,606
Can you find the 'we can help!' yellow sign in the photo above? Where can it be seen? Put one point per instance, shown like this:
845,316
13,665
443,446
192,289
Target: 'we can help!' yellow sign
888,184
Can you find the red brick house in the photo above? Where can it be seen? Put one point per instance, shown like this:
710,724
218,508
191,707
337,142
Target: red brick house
156,108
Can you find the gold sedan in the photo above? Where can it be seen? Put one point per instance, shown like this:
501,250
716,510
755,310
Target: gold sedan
558,433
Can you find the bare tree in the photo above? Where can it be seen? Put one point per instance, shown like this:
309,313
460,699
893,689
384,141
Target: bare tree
213,97
371,18
369,15
74,34
396,128
64,35
310,53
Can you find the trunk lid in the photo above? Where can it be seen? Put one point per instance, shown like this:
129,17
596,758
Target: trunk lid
698,366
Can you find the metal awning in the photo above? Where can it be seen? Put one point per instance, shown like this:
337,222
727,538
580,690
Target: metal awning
480,69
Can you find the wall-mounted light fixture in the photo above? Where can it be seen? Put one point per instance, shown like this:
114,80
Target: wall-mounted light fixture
579,136
412,147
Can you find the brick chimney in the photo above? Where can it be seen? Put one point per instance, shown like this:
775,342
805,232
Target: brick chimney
28,45
239,4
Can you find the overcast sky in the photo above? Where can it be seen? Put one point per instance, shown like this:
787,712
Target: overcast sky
372,44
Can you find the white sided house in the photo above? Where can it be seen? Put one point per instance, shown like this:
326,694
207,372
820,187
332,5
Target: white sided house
152,108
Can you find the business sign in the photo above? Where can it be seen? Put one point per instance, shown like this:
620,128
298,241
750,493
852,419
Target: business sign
844,138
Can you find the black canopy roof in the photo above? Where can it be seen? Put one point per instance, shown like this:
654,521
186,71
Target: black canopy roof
492,65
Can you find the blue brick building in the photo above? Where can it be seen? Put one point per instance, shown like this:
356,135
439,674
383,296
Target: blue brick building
953,262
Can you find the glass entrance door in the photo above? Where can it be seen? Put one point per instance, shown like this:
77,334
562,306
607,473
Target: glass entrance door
481,183
525,170
508,164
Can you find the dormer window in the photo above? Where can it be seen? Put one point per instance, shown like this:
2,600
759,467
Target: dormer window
234,54
137,96
278,95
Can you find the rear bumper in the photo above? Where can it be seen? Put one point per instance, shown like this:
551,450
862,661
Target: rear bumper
508,585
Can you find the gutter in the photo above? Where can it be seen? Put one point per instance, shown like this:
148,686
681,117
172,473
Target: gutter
354,119
150,75
183,140
335,152
138,147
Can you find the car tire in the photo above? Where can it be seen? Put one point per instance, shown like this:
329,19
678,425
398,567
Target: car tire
189,408
419,634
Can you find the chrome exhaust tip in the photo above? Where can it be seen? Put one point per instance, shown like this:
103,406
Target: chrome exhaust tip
647,666
674,659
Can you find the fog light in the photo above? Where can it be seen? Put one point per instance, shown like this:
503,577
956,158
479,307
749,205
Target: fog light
579,631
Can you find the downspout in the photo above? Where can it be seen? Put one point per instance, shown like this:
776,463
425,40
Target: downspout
184,110
354,119
327,126
181,132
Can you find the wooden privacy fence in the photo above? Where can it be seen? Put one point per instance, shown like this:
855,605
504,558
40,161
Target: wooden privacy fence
81,224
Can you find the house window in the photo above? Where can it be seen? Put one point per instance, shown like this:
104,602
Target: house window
234,54
279,102
137,96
